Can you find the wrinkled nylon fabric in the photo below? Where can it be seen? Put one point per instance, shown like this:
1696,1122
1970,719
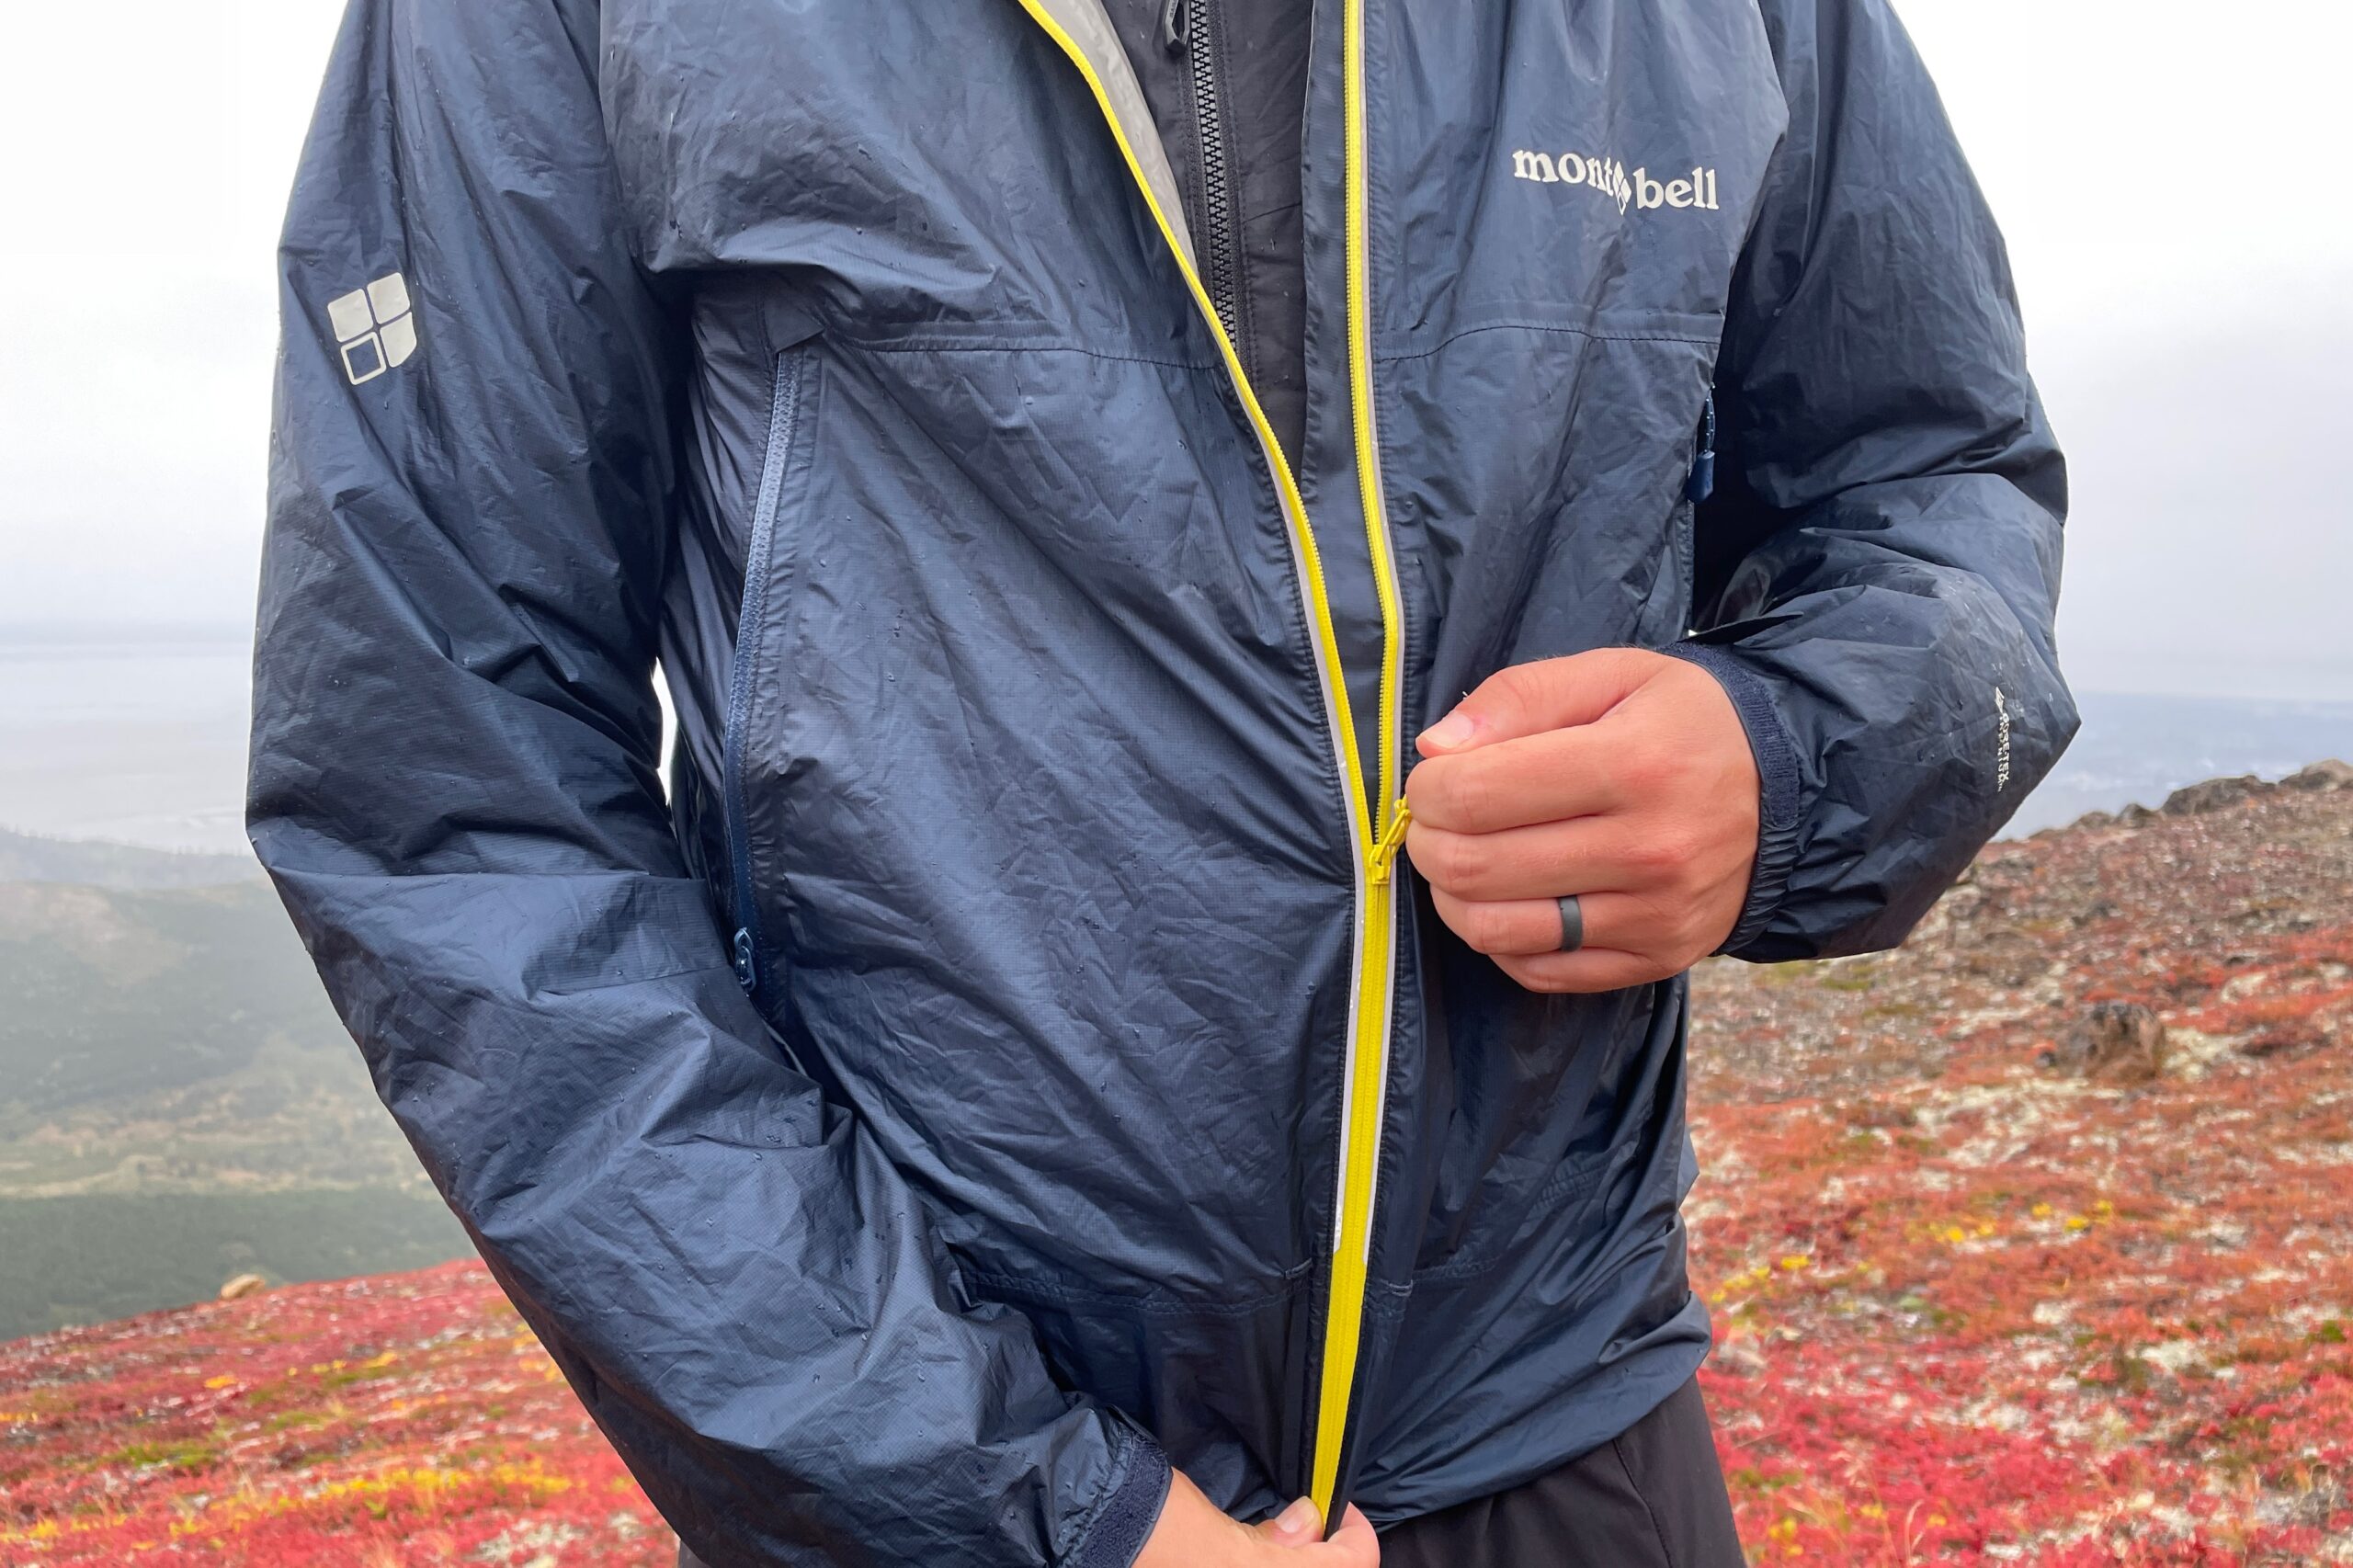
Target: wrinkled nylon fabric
1012,1180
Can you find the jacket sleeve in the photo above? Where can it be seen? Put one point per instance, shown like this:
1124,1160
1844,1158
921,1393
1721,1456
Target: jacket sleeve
454,786
1878,570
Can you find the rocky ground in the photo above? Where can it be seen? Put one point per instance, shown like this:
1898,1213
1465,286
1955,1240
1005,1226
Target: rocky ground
2027,1244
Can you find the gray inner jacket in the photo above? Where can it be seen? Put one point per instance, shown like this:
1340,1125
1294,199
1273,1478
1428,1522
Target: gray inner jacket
1226,84
1002,1060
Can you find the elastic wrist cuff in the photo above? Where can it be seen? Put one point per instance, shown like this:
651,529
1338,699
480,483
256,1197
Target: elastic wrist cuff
1779,782
1129,1508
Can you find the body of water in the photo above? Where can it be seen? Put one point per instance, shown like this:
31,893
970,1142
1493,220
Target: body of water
143,740
138,740
2138,749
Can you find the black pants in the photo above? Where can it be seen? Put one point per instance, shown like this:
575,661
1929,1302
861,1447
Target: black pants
1652,1497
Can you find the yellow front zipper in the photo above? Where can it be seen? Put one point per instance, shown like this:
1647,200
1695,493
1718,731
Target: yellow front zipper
1368,1076
1379,833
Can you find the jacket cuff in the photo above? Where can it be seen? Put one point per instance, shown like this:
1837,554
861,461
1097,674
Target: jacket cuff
1779,783
1124,1516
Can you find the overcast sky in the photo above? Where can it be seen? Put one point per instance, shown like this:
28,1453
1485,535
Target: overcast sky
2170,179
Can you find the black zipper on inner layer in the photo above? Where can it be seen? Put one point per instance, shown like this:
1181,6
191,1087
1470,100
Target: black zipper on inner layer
1185,25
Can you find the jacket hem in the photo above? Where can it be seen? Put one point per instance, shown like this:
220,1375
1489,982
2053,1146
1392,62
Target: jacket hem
1615,1404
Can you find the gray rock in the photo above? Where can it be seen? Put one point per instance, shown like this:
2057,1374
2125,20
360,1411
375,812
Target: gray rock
2212,795
2124,1041
2327,775
243,1285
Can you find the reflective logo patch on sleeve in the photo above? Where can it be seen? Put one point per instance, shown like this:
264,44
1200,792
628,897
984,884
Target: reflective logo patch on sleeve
375,328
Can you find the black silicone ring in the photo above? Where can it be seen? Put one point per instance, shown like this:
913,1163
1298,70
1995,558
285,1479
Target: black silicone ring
1572,923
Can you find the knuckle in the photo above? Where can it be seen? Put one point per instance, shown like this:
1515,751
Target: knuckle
1489,927
1647,769
1507,683
1429,789
1474,862
1425,787
1426,846
1657,855
1446,792
1504,695
1653,919
1681,887
1458,861
1542,978
1472,800
1683,849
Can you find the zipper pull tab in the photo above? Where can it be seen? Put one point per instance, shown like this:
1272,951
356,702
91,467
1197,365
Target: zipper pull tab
1172,24
1702,483
748,973
1384,853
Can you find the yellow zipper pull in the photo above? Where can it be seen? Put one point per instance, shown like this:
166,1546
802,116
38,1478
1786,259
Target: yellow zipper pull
1384,853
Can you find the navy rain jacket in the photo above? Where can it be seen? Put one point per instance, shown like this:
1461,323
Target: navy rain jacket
1011,1058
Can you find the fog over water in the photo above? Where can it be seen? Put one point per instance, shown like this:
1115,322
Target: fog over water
140,742
143,741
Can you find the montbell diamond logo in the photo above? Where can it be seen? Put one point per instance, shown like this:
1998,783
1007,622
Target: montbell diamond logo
1610,179
374,327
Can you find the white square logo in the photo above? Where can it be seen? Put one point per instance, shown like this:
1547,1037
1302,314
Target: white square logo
375,328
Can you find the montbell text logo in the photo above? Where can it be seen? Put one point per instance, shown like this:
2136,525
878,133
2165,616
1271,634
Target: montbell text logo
1611,179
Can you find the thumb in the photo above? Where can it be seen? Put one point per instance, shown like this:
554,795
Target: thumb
1549,694
1298,1525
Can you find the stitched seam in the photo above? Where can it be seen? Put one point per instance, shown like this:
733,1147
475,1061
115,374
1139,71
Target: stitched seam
1618,1453
1005,1284
1122,1460
1123,1517
1014,346
1457,1272
1575,1171
631,980
1589,333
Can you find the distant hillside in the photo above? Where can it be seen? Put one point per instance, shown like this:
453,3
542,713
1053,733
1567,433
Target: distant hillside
88,1258
2030,1244
110,998
26,858
162,1036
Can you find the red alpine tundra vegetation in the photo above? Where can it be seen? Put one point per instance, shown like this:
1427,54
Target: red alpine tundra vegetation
2030,1244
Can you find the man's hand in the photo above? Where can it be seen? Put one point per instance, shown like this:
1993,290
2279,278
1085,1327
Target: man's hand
1621,775
1194,1533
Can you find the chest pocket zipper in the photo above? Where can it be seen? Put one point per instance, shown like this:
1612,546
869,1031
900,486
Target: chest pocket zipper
1703,481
